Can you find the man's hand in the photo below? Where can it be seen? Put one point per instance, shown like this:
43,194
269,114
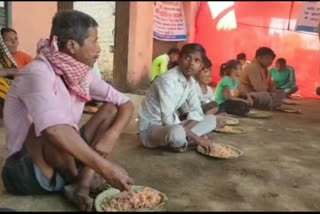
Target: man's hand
206,144
203,142
118,178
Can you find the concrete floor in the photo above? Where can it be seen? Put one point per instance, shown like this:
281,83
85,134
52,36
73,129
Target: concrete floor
278,172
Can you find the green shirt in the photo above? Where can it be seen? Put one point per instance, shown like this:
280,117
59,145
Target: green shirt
225,82
159,65
284,79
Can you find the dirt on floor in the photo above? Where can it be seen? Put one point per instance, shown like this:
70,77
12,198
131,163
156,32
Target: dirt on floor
279,170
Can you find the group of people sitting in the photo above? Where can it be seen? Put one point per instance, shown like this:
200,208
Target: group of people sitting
282,74
184,91
244,84
48,152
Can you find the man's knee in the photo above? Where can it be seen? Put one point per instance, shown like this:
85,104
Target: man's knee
177,136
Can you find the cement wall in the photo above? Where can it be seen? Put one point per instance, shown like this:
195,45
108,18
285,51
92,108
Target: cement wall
104,13
32,21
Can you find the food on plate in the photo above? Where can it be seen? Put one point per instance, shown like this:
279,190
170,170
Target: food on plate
133,200
222,151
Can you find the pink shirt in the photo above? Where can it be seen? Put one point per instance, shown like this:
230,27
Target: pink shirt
39,96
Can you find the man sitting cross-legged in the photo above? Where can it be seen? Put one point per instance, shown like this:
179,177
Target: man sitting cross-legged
256,81
159,122
47,151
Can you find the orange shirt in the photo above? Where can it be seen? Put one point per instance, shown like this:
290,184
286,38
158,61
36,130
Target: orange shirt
22,59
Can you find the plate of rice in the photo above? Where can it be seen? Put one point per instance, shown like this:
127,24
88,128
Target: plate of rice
259,114
139,198
221,151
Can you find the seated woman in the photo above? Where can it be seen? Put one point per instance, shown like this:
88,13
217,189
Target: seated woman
11,60
284,77
204,91
10,38
227,91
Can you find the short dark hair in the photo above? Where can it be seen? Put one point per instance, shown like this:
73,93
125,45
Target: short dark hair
7,30
173,51
226,68
241,56
207,62
264,51
282,61
193,47
71,25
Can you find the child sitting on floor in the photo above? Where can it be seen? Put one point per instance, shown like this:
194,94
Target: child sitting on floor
227,91
204,90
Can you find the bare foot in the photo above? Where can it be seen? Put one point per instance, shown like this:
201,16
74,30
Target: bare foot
98,184
79,196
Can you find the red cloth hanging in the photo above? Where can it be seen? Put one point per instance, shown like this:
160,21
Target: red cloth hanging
262,24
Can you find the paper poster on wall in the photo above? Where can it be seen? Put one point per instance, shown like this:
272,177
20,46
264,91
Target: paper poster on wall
169,23
308,19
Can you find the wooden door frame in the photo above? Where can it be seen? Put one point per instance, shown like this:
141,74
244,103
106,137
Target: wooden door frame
65,5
